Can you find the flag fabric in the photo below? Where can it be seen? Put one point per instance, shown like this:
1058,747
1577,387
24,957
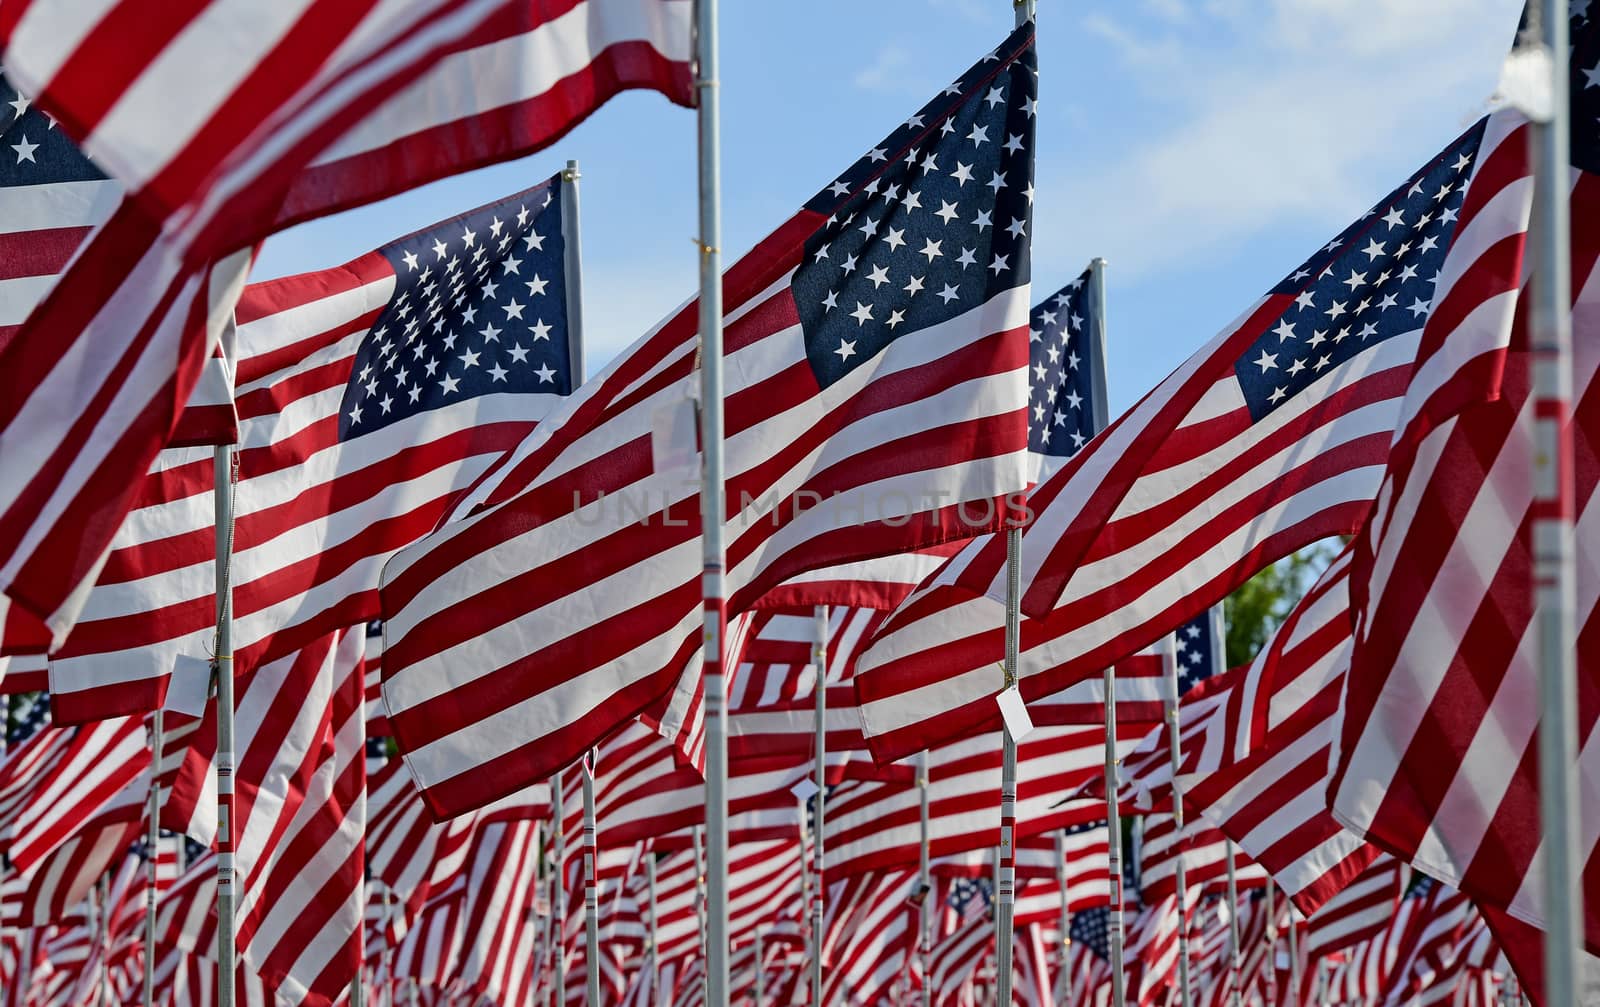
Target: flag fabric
1437,758
1360,910
1270,437
380,97
369,395
58,882
843,442
1066,406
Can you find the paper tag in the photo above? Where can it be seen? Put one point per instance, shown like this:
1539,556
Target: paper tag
673,444
1015,713
189,686
1283,960
805,790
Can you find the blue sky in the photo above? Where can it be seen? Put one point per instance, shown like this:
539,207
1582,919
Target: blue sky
1204,147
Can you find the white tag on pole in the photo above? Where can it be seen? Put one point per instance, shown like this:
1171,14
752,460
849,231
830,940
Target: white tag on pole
189,686
673,440
1282,961
805,790
1015,713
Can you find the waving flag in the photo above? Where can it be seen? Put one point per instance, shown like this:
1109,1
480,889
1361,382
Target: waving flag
1269,438
1437,757
369,396
875,405
210,122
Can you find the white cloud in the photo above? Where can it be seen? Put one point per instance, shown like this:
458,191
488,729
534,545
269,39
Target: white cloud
888,71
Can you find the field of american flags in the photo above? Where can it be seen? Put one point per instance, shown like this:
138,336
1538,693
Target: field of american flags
367,637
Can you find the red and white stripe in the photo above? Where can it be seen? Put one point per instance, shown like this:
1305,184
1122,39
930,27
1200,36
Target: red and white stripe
1205,864
1360,910
1437,757
210,166
494,681
62,879
54,783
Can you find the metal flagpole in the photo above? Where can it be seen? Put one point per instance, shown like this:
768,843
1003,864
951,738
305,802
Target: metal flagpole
1554,565
558,893
1272,947
1006,866
650,921
925,911
153,838
102,939
1097,291
358,986
1169,657
1233,926
572,268
700,896
1063,876
761,993
819,665
711,500
1294,963
591,898
222,499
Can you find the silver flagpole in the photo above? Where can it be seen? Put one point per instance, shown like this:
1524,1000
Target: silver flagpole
1006,866
1063,877
222,498
572,269
1554,566
651,922
1097,291
153,838
558,893
700,895
1169,657
1234,993
102,938
761,992
819,664
925,912
358,986
1294,963
591,897
711,500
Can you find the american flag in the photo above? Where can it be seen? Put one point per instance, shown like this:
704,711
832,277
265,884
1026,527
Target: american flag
1436,761
300,807
1204,853
1360,910
374,100
869,931
1269,438
1066,405
925,240
55,884
369,395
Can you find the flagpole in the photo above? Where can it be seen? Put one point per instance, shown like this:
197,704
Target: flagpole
1169,657
591,898
1554,566
1063,877
819,665
222,500
1294,963
700,901
650,883
1097,297
572,269
761,993
1234,994
711,499
925,911
153,838
1006,867
558,894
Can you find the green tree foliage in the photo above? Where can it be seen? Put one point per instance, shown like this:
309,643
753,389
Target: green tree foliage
1255,610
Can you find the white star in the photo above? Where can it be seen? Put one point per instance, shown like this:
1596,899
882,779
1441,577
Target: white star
533,240
541,331
355,415
514,308
546,375
385,403
1016,228
1276,396
913,201
489,290
839,188
1077,439
849,265
962,174
449,384
431,366
469,359
895,318
19,104
1394,218
878,154
414,393
1373,249
998,265
895,238
821,253
1429,244
1030,106
996,96
1356,279
948,294
998,182
1418,308
879,276
25,151
522,215
1462,162
1323,361
1267,361
931,249
979,135
1285,330
510,265
947,211
862,314
832,300
490,334
498,372
983,220
1593,73
1074,400
967,258
1296,367
1336,310
410,260
913,286
536,285
518,354
1013,144
468,236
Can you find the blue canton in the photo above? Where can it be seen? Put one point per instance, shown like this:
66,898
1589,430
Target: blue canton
1373,282
1584,89
928,225
1197,649
32,150
1092,929
26,715
1065,397
970,897
479,306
